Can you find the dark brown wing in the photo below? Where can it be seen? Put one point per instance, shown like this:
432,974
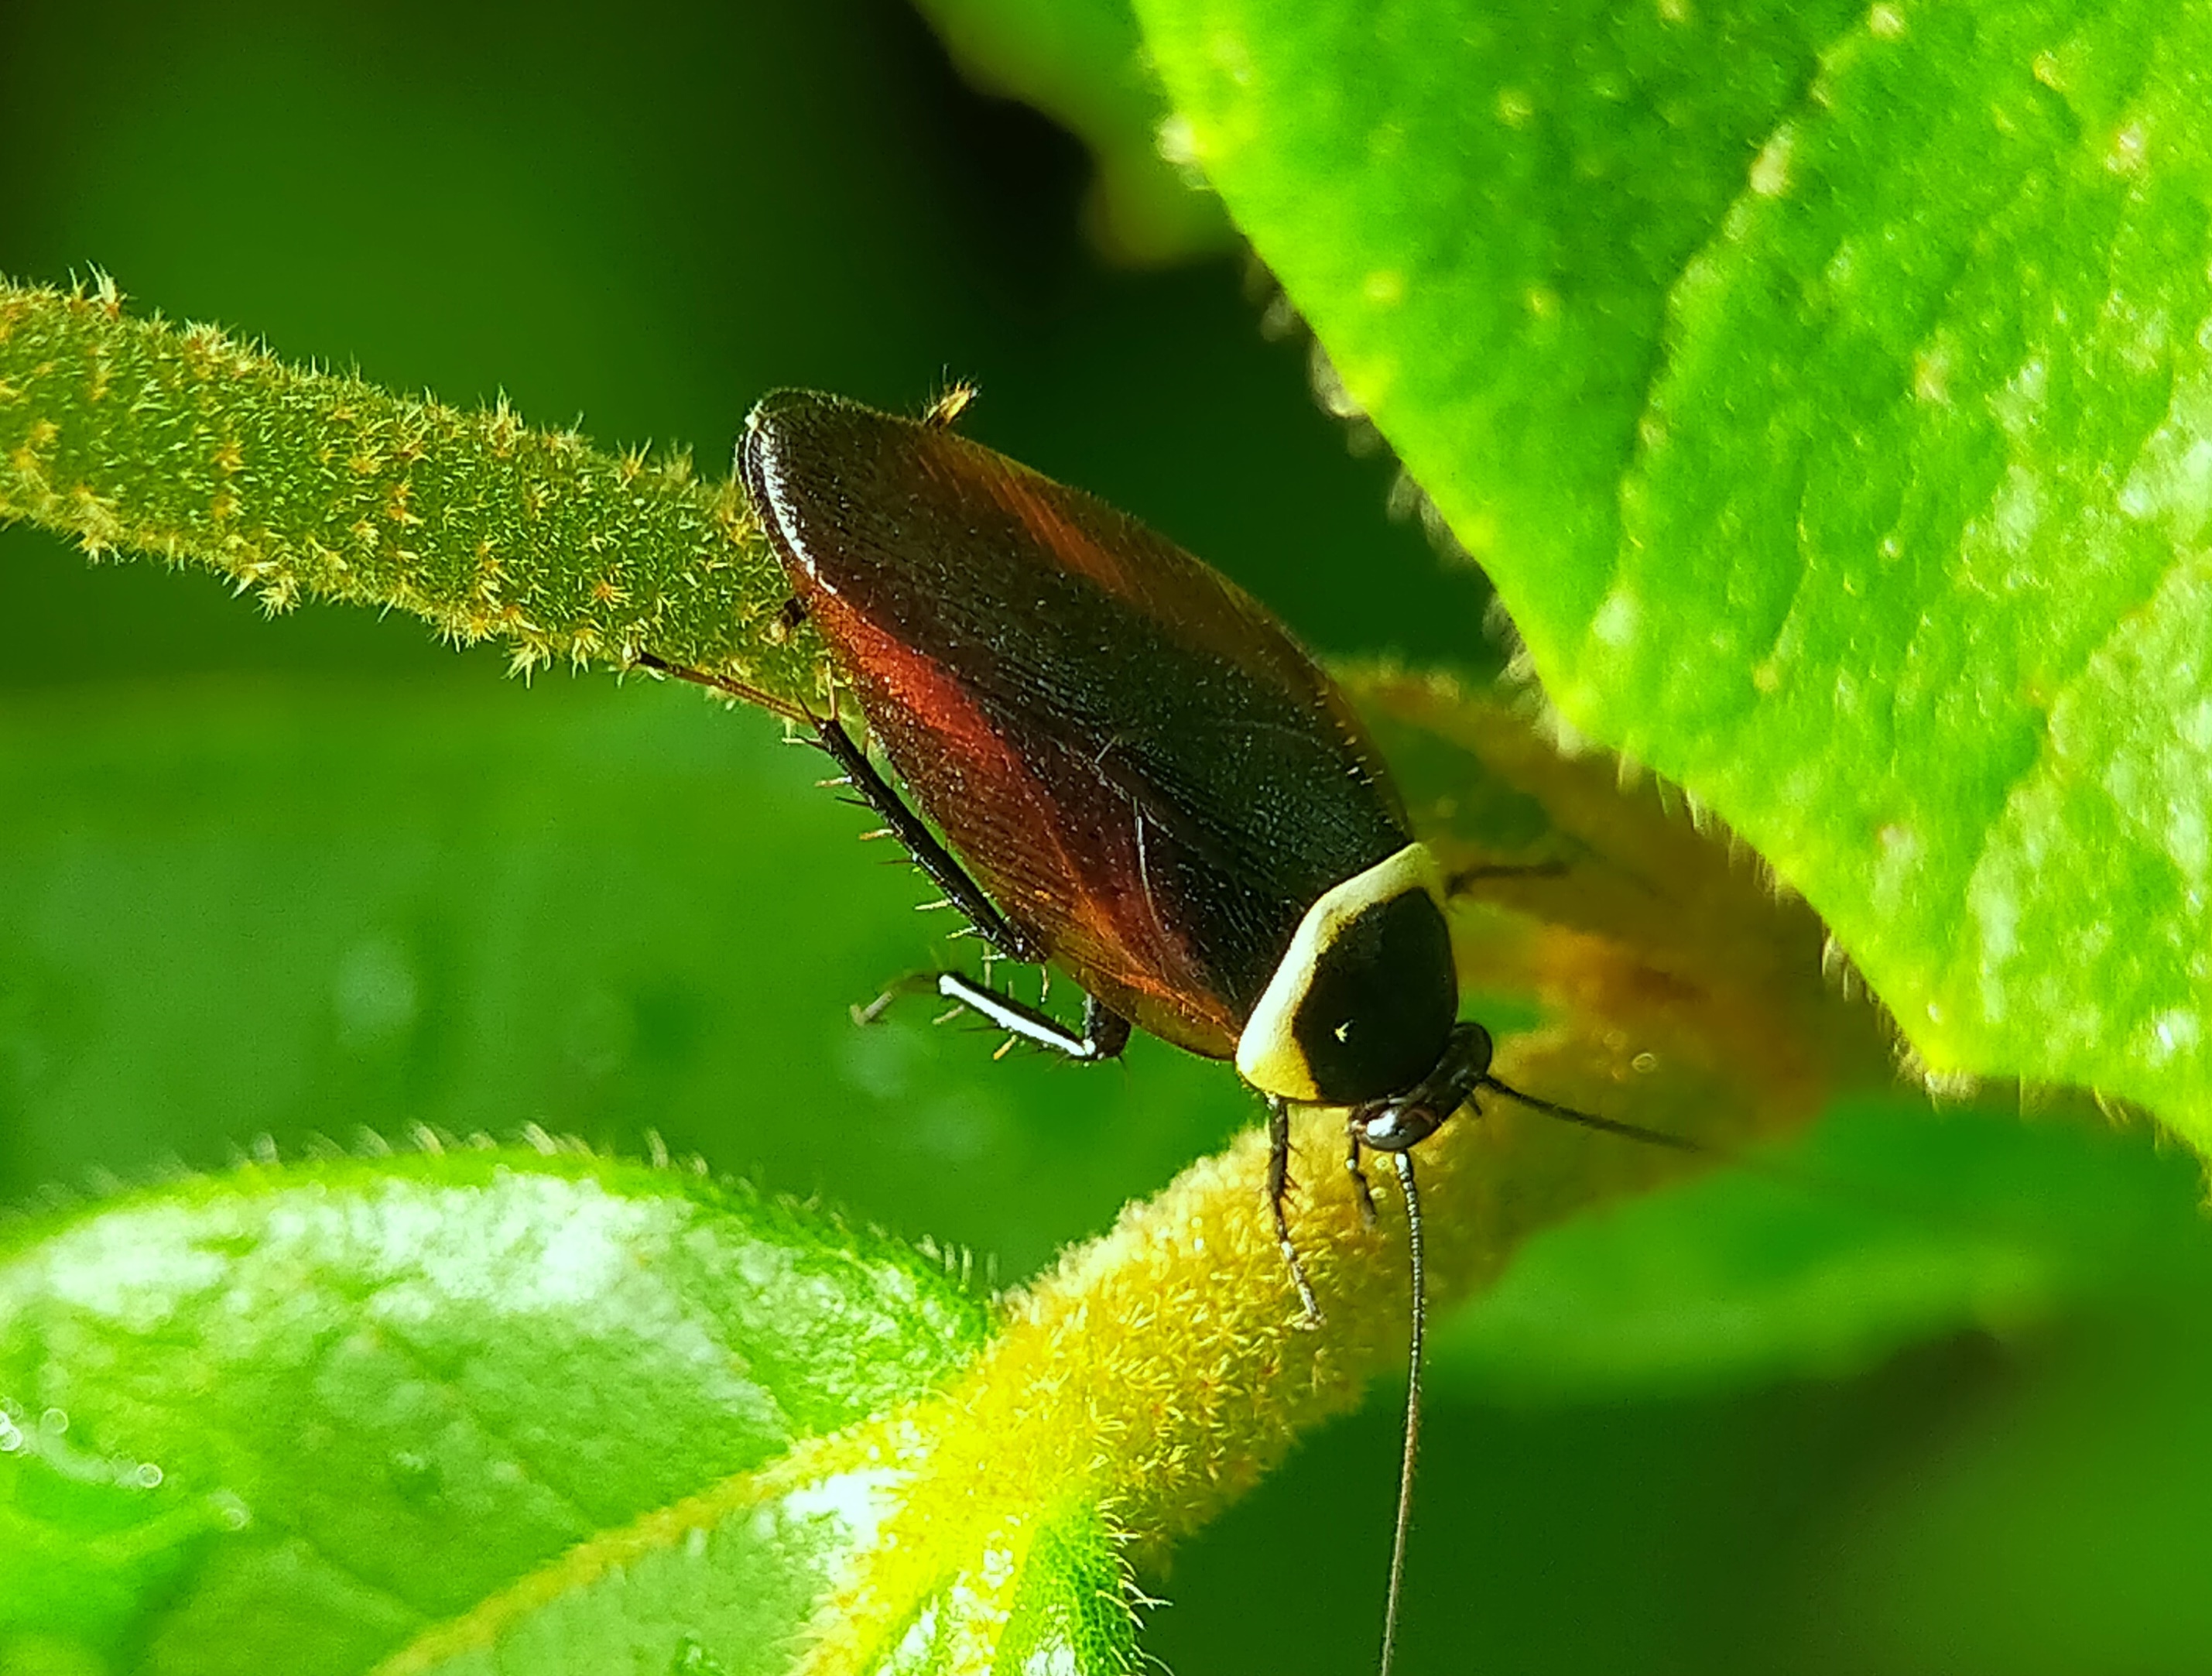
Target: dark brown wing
1133,756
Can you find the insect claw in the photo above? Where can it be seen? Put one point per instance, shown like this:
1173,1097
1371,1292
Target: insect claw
1309,1318
1364,1193
1368,1216
874,1009
1279,1187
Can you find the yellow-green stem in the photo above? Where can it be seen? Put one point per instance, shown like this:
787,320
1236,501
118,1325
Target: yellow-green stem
1162,1370
135,436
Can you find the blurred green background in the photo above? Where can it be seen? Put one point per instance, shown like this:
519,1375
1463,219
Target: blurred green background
308,877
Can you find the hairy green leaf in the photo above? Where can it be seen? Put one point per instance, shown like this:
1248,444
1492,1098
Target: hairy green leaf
1828,389
478,1410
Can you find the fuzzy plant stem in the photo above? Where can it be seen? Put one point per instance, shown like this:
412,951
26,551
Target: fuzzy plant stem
136,437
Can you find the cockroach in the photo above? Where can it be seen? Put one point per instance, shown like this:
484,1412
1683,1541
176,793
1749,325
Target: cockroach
1141,778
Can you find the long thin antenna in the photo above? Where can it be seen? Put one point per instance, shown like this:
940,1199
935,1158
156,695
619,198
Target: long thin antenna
742,691
1633,1132
1404,1160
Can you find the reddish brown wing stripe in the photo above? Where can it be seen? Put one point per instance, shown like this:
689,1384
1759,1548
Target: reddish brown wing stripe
1188,601
1058,533
905,526
1084,905
1069,530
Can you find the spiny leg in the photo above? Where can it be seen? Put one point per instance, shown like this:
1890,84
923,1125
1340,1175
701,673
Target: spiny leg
1103,1036
928,852
1366,1194
1278,1187
1105,1032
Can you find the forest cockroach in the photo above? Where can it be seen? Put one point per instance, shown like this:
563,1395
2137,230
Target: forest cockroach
1141,780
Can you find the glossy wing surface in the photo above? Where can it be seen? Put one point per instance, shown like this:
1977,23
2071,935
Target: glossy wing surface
1133,756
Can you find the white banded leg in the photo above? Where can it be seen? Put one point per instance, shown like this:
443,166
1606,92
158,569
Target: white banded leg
1105,1032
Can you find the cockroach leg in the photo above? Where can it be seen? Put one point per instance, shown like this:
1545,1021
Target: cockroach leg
1105,1033
928,851
1366,1194
1278,1187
